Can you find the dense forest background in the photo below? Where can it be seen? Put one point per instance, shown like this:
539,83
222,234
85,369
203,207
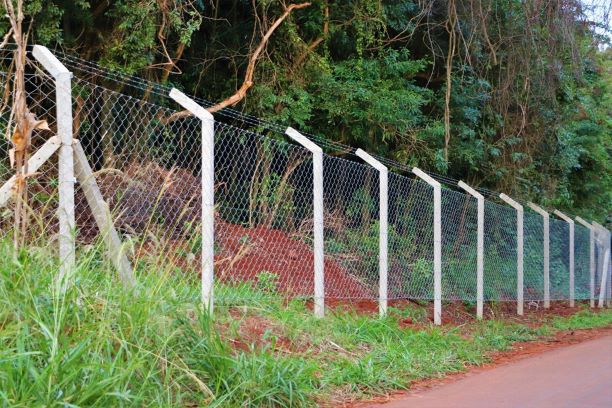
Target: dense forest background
509,95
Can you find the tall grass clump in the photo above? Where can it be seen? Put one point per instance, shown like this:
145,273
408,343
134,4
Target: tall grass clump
96,343
99,344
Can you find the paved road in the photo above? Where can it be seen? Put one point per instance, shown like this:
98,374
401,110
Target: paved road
573,376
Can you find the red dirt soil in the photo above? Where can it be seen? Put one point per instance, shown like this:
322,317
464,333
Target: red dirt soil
150,192
257,332
244,253
458,313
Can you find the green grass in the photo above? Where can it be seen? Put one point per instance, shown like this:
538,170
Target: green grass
97,344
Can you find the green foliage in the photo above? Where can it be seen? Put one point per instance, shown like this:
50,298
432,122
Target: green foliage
363,97
584,319
267,281
529,107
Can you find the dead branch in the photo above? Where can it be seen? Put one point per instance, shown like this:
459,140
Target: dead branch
7,38
248,76
25,121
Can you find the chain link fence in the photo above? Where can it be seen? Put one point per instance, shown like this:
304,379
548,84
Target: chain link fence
42,184
147,162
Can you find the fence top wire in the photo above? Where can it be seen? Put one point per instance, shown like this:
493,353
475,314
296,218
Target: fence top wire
88,71
148,87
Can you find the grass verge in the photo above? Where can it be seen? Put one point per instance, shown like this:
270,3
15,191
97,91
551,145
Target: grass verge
97,344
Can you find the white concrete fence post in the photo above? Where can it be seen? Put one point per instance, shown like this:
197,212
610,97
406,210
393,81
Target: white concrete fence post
479,249
608,266
519,251
609,301
546,238
603,239
208,194
591,260
571,255
383,227
66,180
317,186
605,272
437,250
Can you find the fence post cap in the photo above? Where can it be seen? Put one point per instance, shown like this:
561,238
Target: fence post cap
511,202
563,216
50,62
584,222
538,209
425,177
371,160
470,190
303,140
191,105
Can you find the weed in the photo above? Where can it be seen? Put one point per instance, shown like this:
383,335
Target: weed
267,281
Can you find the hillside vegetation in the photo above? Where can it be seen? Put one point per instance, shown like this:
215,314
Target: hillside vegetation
512,96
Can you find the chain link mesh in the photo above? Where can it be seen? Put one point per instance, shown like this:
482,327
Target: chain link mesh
500,254
351,228
582,262
411,240
264,222
459,234
533,256
42,185
559,259
147,164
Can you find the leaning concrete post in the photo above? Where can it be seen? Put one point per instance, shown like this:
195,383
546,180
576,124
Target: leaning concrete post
38,159
208,193
546,220
519,251
591,259
437,226
571,254
63,102
479,249
383,210
317,186
102,216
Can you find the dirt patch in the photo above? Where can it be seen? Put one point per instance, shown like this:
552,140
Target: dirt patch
163,207
534,313
420,312
252,332
260,333
246,253
518,351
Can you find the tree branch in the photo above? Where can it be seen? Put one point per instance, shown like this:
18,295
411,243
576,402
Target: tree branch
248,76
